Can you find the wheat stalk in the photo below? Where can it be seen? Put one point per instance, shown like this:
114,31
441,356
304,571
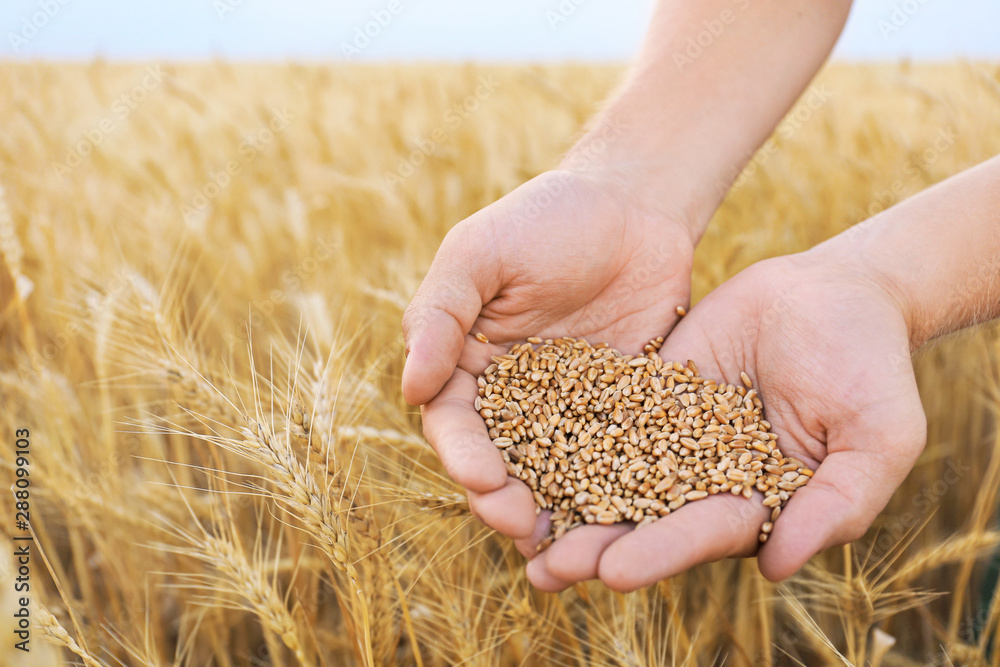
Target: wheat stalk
380,570
118,307
53,631
949,551
239,577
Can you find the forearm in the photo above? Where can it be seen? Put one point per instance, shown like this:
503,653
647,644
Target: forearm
937,254
711,82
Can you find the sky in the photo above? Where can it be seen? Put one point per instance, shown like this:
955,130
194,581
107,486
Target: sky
379,30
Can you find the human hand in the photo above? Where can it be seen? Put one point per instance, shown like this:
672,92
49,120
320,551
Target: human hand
827,345
566,254
603,251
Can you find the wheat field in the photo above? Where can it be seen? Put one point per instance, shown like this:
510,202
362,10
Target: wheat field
204,269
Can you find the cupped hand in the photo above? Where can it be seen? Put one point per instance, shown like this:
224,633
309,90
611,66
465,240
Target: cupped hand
565,254
828,348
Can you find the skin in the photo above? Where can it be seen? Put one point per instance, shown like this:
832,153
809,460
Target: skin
826,335
792,324
601,249
522,289
624,209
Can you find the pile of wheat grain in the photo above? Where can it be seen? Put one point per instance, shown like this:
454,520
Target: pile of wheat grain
203,272
604,437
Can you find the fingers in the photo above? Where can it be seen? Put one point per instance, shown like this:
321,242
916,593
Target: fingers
509,510
542,579
458,435
462,277
545,569
575,556
434,342
802,530
869,459
700,532
529,546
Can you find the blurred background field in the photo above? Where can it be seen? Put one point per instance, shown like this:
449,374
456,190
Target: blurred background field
203,273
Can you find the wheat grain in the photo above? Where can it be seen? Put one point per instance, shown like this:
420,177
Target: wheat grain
595,434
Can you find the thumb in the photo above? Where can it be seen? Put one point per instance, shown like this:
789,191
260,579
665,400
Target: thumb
463,276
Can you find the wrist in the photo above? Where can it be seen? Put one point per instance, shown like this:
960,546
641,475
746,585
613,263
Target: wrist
611,153
849,254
